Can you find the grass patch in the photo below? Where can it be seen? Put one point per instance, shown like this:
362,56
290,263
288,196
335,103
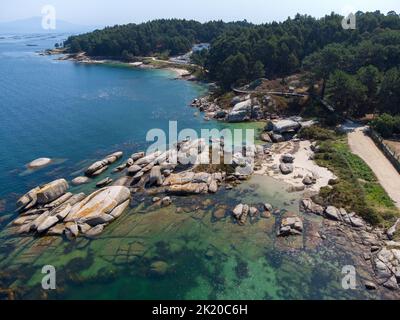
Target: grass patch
357,189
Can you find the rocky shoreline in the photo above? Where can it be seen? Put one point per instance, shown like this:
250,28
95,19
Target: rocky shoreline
178,70
53,211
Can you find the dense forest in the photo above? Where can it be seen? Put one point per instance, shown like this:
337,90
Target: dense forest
359,69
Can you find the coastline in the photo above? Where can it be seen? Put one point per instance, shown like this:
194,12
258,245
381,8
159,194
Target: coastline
181,71
276,158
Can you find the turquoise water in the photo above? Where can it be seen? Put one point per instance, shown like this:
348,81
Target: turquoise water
76,114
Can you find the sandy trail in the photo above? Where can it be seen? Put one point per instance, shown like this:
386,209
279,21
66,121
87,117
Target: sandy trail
365,148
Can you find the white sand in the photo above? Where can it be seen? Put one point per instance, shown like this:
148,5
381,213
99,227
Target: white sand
180,72
302,164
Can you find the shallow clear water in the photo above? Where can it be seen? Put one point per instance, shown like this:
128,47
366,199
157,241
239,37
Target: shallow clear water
79,113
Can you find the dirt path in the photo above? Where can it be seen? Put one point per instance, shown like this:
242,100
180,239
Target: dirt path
364,147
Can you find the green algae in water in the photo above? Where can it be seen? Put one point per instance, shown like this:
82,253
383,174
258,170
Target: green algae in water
204,258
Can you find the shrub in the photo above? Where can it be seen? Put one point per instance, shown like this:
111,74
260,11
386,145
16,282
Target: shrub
386,125
316,133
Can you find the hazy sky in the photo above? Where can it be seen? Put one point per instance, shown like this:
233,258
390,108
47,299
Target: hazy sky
109,12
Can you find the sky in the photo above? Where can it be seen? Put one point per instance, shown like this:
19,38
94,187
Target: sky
111,12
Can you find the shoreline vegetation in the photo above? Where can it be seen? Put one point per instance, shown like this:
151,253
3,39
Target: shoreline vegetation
302,142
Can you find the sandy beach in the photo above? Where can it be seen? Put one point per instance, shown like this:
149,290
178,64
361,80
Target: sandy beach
303,165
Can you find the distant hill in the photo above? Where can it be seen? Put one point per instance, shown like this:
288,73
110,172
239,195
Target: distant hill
34,25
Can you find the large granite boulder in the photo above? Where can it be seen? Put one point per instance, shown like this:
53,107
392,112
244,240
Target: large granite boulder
43,194
51,191
240,112
286,125
39,163
80,180
104,201
188,189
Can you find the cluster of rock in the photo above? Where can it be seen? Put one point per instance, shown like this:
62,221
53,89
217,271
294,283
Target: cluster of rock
242,108
384,253
99,167
332,213
189,183
291,225
157,170
281,130
51,210
242,211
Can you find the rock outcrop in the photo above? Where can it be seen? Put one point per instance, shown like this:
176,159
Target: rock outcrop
50,210
291,224
43,194
100,166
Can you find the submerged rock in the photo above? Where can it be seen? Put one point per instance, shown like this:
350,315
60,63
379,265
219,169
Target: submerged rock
219,213
159,267
39,163
95,231
80,180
